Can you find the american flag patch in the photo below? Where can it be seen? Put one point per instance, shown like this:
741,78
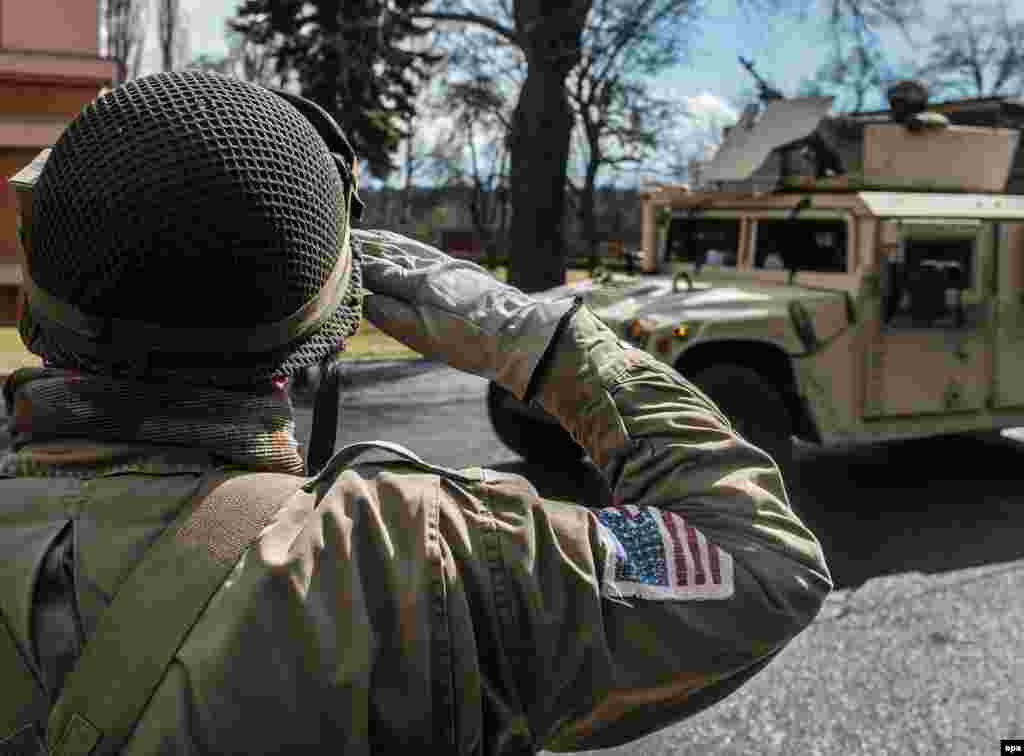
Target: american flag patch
655,554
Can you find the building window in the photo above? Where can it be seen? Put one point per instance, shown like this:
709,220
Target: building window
818,246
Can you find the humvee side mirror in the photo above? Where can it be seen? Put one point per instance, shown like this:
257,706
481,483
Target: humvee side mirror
675,281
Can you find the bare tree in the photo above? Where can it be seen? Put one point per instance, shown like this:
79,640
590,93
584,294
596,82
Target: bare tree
421,154
171,33
978,52
123,35
624,42
620,128
861,19
550,38
473,158
252,61
245,60
856,77
859,68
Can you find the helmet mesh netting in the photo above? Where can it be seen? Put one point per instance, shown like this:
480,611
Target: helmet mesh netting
190,199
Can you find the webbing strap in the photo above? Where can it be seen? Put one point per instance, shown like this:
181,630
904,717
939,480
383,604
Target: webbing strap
23,702
95,336
348,454
139,634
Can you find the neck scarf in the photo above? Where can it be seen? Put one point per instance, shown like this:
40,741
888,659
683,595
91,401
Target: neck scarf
253,429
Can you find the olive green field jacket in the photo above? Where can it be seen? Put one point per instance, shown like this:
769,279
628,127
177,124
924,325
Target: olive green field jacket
397,606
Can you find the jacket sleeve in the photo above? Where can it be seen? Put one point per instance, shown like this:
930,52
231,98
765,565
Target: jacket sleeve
624,619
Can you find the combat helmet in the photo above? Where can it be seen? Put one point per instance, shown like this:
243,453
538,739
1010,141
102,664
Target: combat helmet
193,227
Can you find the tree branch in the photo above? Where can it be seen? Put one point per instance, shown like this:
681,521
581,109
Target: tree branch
470,18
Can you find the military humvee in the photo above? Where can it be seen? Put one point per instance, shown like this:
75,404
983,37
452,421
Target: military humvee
882,298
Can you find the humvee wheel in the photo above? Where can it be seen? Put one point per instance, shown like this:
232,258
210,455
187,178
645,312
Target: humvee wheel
754,406
531,438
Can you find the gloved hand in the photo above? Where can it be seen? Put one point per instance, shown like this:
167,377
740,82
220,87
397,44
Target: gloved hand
455,311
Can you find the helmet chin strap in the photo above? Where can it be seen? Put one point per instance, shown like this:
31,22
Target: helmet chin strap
326,411
326,407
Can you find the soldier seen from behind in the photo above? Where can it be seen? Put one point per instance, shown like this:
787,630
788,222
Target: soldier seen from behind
177,579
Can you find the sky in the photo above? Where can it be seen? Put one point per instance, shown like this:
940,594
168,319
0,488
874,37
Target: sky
712,69
785,48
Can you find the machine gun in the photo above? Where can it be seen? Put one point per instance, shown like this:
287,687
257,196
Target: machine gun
824,156
766,91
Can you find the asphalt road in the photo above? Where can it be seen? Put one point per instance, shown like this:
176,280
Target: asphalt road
919,652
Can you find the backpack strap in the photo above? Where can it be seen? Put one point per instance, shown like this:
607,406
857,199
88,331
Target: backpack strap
23,700
139,634
346,455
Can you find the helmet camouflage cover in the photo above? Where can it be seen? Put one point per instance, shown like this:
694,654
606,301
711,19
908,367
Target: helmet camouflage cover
192,226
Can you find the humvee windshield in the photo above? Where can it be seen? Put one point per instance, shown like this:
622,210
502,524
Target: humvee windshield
818,246
704,241
813,245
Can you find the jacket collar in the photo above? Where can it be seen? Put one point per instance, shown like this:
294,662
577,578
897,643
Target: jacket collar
61,420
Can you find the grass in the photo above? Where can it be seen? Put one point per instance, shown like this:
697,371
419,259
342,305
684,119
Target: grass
371,343
572,275
13,354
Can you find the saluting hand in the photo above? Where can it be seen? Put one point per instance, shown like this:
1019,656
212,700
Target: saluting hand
454,310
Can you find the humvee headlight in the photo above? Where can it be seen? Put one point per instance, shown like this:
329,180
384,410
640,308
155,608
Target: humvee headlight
681,331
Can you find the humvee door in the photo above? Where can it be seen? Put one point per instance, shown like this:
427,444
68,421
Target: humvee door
932,350
1008,388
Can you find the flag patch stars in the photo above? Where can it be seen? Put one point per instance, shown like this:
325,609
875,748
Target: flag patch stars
657,555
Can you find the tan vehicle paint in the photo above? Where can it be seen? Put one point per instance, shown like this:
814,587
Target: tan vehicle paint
858,377
904,319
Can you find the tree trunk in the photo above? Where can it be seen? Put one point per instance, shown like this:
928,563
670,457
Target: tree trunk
541,128
540,152
407,188
480,215
501,243
588,214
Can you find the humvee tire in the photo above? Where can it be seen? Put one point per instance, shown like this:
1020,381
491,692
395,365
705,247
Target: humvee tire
755,407
531,438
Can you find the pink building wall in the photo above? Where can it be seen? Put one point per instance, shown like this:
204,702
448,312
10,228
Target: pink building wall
60,26
50,68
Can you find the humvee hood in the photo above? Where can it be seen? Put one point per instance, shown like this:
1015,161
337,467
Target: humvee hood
601,294
709,302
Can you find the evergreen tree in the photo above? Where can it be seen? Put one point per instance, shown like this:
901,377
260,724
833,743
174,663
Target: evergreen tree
358,59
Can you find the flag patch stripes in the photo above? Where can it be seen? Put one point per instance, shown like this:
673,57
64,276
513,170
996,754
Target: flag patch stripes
656,554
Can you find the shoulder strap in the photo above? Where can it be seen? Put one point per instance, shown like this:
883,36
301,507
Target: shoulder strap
348,454
23,700
139,633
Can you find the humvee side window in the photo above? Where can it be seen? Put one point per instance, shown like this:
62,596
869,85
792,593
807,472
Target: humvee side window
925,281
818,246
704,241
